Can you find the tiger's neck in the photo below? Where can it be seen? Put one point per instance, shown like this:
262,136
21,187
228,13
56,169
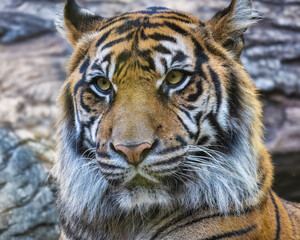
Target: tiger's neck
268,218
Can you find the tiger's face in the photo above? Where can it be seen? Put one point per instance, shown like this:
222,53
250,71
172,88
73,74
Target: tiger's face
158,111
143,96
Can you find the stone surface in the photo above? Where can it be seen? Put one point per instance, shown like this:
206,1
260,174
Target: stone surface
282,123
27,209
21,26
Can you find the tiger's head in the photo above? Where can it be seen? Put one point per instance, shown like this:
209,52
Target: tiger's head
158,112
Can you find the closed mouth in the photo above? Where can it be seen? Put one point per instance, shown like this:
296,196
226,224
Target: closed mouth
140,182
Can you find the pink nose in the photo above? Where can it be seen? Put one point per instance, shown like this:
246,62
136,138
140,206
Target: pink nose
133,152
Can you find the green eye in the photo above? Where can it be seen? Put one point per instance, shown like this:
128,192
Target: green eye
174,77
102,84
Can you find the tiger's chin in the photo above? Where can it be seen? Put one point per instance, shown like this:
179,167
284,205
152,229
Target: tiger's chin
143,192
143,199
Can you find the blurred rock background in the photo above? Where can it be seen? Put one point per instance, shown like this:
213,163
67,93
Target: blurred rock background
32,69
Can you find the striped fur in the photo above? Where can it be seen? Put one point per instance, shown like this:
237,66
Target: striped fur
207,174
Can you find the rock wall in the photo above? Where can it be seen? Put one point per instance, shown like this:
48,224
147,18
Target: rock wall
33,59
27,209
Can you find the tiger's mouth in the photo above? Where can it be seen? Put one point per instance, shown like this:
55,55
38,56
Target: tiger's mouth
141,182
156,174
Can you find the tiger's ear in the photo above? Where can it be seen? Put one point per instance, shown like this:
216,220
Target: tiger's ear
76,22
228,25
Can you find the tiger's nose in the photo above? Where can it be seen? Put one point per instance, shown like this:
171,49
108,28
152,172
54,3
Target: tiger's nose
135,153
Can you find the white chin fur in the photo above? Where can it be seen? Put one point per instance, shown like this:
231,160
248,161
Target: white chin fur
143,199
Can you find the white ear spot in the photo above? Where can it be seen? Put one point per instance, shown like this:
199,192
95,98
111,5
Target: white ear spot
229,25
243,15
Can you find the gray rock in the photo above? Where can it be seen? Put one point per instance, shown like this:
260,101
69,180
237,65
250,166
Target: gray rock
16,26
27,209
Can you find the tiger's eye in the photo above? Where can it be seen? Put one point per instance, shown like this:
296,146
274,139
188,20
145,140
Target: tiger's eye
174,77
103,84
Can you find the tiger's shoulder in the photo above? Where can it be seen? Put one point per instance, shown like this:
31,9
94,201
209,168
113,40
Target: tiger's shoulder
275,218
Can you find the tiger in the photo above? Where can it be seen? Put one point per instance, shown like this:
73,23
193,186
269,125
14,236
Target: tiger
159,130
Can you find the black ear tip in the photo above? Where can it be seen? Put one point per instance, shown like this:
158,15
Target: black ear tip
71,2
71,6
72,12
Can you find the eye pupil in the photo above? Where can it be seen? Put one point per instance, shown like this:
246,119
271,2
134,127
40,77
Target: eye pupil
102,84
174,77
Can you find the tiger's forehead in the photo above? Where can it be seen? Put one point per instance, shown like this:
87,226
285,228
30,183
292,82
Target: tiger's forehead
143,25
151,17
151,40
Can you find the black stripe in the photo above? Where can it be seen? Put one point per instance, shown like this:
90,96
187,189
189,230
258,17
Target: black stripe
232,234
95,66
103,38
113,20
217,84
164,63
222,135
173,18
79,84
181,140
168,150
112,176
278,228
83,68
200,55
151,25
119,69
194,96
178,14
128,25
107,57
82,104
103,155
146,54
124,73
160,48
79,58
203,140
189,107
185,112
161,37
123,57
89,141
234,95
213,50
143,35
109,166
195,220
79,147
179,57
176,28
114,42
191,135
198,117
197,121
167,162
